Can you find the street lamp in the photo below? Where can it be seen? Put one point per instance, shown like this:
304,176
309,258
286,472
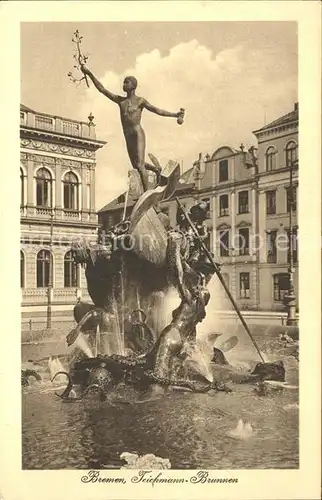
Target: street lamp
50,277
290,298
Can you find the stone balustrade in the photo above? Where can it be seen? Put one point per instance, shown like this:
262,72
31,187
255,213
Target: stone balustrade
40,295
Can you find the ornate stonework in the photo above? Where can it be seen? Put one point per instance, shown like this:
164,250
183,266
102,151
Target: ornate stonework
68,163
39,159
56,148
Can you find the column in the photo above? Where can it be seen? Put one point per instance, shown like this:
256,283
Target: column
58,187
92,190
31,190
262,299
84,203
232,243
262,225
214,223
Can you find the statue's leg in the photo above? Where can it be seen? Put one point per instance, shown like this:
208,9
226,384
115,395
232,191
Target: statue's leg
135,144
169,346
174,261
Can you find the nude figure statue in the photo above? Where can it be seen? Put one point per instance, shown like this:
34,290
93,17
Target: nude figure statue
131,107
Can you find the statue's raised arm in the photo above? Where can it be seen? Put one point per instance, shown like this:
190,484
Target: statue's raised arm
113,97
161,112
131,107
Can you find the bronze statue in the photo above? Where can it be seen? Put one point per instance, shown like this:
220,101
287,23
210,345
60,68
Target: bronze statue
131,107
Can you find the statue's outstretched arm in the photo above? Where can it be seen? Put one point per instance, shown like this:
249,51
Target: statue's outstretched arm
99,86
159,111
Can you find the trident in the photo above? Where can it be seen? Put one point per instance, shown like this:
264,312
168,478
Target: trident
79,58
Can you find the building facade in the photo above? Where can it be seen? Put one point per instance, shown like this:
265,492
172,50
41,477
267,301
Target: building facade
57,175
278,185
233,216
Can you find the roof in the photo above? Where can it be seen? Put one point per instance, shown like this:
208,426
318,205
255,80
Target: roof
293,116
25,108
185,182
187,176
116,204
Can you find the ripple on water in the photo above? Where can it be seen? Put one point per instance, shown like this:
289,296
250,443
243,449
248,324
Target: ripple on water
189,429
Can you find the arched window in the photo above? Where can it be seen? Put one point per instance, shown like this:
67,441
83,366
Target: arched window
70,271
291,153
22,269
22,187
43,188
70,191
43,268
270,159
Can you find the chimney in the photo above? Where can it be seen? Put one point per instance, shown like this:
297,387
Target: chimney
296,106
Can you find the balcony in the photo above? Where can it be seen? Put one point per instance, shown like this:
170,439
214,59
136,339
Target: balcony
43,212
56,124
223,212
71,214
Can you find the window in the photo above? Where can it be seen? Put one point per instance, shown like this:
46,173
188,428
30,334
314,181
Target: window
110,221
271,247
22,269
22,188
270,202
43,188
291,153
43,268
243,202
224,243
243,236
22,118
70,183
223,205
270,159
281,286
295,245
291,199
244,289
70,271
223,170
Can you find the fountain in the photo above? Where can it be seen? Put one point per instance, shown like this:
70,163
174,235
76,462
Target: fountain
125,336
146,338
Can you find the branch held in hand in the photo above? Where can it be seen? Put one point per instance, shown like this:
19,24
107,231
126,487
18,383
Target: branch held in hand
80,59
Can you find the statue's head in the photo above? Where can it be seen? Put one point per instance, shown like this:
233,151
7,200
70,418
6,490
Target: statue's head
81,251
129,83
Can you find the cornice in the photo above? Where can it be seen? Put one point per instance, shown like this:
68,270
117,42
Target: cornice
59,138
59,149
276,129
25,220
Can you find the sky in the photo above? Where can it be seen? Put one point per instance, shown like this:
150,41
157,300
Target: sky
231,77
